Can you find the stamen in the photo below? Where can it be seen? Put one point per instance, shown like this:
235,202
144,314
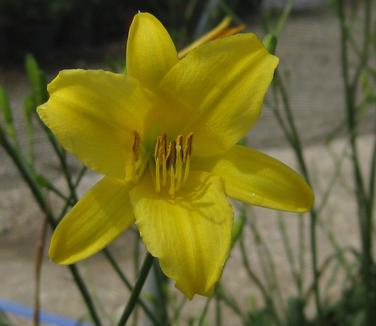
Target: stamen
187,155
171,154
172,182
163,159
136,146
188,147
157,176
179,161
186,170
172,162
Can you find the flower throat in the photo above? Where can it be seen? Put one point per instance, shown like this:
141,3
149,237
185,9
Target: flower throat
171,165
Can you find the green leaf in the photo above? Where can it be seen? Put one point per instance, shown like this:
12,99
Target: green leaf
43,182
29,109
37,80
270,43
7,113
238,227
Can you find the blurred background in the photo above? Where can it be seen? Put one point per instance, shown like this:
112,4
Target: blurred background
92,34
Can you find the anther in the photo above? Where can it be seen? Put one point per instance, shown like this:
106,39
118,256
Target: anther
179,161
187,147
171,154
136,146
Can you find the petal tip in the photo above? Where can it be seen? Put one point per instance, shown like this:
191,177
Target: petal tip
309,200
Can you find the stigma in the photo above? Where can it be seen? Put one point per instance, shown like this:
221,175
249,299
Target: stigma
172,162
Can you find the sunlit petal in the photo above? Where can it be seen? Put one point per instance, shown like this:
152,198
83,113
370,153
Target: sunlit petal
93,114
100,216
221,86
258,179
189,234
150,50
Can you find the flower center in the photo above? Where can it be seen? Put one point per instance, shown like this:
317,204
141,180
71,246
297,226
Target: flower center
172,162
170,167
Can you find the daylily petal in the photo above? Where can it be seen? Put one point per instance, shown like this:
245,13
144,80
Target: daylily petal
100,216
221,86
221,30
190,234
150,50
258,179
93,114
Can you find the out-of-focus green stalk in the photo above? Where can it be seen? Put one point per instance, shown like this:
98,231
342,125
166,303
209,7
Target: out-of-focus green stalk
144,272
125,280
238,228
364,205
301,248
292,136
337,171
218,311
177,311
161,302
201,320
8,117
136,267
337,248
231,303
33,186
298,151
267,263
269,303
289,253
323,268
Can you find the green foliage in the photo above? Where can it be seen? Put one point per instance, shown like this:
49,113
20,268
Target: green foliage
4,320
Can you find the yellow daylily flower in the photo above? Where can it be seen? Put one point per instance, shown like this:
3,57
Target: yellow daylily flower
164,135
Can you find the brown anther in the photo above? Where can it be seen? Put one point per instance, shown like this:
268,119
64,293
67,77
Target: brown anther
136,146
179,143
164,143
188,147
161,150
171,154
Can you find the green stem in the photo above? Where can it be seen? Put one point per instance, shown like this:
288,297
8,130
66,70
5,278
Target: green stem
85,294
218,311
177,311
145,269
136,267
267,263
125,280
363,204
289,253
297,147
204,312
301,258
61,155
33,186
232,304
252,275
161,303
